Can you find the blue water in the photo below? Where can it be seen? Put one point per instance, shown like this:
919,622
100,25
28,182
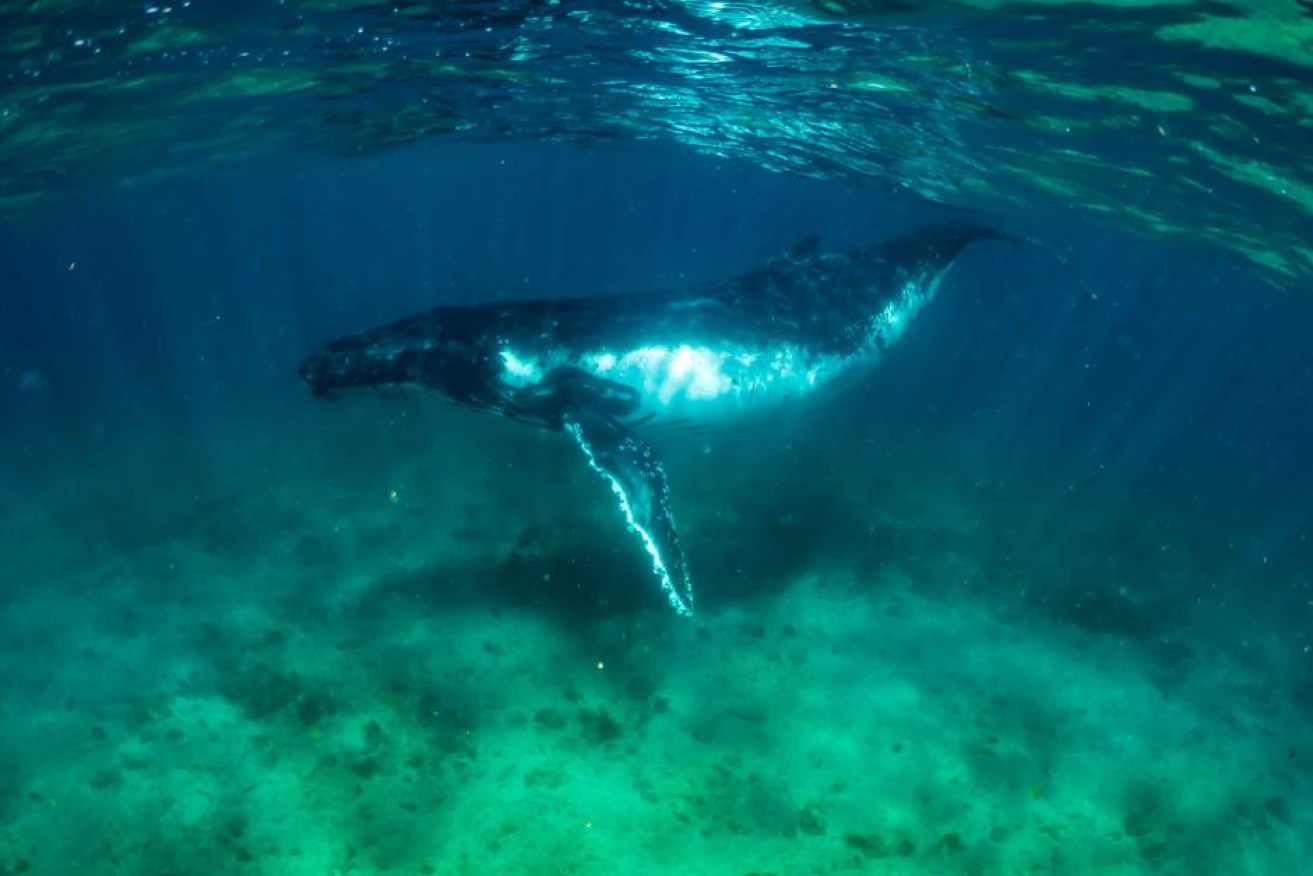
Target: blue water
1033,599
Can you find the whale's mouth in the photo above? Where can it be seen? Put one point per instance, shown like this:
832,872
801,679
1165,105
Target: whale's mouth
317,372
323,393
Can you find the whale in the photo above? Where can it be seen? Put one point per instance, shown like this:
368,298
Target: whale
608,370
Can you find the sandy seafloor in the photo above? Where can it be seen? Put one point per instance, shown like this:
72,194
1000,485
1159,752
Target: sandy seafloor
410,640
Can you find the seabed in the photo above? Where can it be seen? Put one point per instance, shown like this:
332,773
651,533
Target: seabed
427,648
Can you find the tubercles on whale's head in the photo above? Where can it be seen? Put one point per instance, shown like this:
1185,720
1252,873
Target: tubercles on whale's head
318,372
347,364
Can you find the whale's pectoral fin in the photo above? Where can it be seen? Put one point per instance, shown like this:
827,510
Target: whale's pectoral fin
627,463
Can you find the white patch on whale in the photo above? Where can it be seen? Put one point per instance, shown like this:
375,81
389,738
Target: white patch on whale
697,379
892,321
525,371
687,376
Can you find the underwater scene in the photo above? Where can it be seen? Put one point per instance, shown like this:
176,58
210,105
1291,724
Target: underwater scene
661,436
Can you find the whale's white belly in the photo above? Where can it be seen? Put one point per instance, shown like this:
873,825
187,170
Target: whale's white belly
695,381
691,381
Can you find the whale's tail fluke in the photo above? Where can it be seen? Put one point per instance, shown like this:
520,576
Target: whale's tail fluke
935,246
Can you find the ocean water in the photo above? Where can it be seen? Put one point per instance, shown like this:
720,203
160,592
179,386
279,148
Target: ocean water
1036,597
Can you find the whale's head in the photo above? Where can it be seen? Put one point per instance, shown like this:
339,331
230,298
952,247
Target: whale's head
357,362
400,357
328,371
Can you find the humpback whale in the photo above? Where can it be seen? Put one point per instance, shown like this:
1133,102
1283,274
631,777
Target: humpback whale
605,370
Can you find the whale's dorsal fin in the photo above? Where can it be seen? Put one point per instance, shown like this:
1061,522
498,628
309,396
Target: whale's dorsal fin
627,463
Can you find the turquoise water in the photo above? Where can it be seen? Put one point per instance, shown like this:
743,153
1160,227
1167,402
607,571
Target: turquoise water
1033,598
